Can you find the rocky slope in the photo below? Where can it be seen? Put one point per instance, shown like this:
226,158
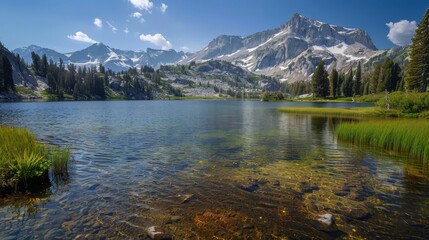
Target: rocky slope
114,59
217,78
21,75
292,51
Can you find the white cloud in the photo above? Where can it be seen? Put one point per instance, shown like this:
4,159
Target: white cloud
114,29
138,16
163,7
142,4
184,48
401,33
126,31
98,22
158,40
81,37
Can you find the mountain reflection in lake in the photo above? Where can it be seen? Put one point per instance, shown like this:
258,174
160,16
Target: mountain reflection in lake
199,169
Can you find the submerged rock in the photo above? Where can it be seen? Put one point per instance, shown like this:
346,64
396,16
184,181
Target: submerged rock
173,219
252,187
326,223
187,198
276,183
361,213
307,187
327,219
155,234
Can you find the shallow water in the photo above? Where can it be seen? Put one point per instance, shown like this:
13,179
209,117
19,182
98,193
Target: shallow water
252,172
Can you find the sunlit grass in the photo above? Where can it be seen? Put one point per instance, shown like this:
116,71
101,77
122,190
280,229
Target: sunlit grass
405,136
59,159
343,112
23,158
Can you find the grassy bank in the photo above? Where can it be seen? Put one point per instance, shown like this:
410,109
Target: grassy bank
405,136
24,161
343,112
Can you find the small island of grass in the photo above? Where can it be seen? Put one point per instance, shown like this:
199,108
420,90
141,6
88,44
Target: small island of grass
25,163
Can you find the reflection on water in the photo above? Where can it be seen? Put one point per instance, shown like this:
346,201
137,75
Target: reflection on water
198,169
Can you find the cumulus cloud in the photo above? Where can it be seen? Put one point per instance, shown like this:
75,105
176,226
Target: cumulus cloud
81,37
126,31
142,4
157,39
163,7
401,33
98,22
138,16
114,29
184,48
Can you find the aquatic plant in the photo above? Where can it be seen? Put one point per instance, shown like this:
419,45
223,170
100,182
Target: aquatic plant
59,159
23,158
404,136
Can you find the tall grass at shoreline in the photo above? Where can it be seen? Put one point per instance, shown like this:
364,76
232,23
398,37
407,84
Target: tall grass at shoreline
343,112
23,158
405,136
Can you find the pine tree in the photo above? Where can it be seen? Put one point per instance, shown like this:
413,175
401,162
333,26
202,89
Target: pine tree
320,81
417,73
340,84
44,66
348,84
35,63
373,82
2,89
333,83
384,80
8,84
358,81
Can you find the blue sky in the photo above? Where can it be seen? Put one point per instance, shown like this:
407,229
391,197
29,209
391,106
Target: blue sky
67,26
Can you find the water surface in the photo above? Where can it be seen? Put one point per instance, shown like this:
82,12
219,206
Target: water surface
252,172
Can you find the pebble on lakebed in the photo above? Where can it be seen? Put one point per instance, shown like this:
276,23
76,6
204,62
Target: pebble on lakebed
155,234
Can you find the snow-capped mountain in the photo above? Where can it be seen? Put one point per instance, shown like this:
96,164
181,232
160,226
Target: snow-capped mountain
111,58
292,51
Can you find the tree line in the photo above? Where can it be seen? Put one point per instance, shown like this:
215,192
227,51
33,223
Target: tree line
81,83
385,77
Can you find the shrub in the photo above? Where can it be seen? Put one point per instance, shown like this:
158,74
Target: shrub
407,102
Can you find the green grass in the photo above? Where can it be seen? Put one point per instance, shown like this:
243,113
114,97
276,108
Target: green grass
23,90
370,98
343,112
404,135
23,158
314,99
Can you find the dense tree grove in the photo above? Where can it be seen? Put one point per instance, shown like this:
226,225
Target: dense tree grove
6,75
386,76
417,72
81,83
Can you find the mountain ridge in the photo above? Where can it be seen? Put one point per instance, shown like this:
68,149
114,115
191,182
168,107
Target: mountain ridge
112,58
292,51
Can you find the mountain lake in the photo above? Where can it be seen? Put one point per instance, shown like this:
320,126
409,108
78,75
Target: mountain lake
212,170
